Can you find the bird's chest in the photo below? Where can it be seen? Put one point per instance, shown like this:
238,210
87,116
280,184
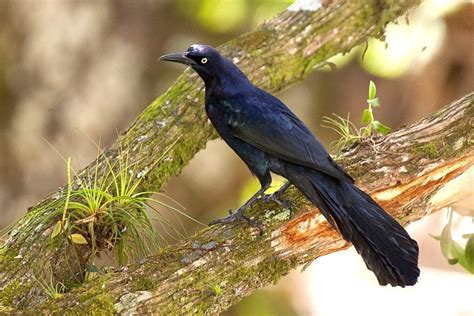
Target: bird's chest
224,116
225,120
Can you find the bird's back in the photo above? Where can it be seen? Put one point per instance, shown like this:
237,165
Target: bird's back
262,120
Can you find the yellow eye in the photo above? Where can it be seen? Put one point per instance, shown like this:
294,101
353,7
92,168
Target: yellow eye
204,60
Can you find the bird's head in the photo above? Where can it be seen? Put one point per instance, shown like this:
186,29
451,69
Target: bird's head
207,62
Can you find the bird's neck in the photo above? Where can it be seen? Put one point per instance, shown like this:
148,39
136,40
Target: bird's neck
230,81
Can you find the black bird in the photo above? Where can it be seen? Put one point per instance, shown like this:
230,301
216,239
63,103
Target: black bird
268,137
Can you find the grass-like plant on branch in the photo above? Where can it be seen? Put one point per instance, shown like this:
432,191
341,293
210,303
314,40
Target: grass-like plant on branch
348,131
101,215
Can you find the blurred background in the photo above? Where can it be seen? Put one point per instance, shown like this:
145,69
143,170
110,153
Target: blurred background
70,70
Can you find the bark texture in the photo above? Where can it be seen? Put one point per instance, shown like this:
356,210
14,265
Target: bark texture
280,52
406,172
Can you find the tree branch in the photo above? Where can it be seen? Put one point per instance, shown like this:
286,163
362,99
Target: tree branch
280,52
405,172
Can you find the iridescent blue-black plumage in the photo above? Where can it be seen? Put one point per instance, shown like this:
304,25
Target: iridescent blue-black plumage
269,137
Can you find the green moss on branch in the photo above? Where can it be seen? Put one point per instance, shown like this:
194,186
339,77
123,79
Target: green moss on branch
282,51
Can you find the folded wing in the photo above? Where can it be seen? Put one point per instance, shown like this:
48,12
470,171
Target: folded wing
280,133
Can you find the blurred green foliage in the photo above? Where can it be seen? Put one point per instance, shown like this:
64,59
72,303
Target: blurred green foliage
253,185
452,250
410,42
263,303
222,16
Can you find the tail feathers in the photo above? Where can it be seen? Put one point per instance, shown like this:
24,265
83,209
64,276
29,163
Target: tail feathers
383,243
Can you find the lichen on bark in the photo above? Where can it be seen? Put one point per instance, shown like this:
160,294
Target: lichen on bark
174,127
237,260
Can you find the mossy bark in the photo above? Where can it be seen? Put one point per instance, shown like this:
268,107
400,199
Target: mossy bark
174,128
219,265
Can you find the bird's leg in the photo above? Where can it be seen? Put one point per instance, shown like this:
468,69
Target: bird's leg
239,213
276,196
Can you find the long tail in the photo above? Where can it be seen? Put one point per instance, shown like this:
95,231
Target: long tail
383,243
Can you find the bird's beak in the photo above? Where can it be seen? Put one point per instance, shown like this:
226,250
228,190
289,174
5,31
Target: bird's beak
178,58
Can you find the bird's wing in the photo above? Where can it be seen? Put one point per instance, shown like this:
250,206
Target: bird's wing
276,130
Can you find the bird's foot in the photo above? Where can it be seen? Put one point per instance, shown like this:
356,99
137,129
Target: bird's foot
238,215
276,197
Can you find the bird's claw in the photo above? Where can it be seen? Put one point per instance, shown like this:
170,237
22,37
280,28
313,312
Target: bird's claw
276,197
237,216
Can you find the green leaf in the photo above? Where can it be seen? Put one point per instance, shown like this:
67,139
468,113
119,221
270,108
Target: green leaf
380,128
457,252
453,261
366,116
436,237
469,253
56,230
445,241
78,239
374,102
372,89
